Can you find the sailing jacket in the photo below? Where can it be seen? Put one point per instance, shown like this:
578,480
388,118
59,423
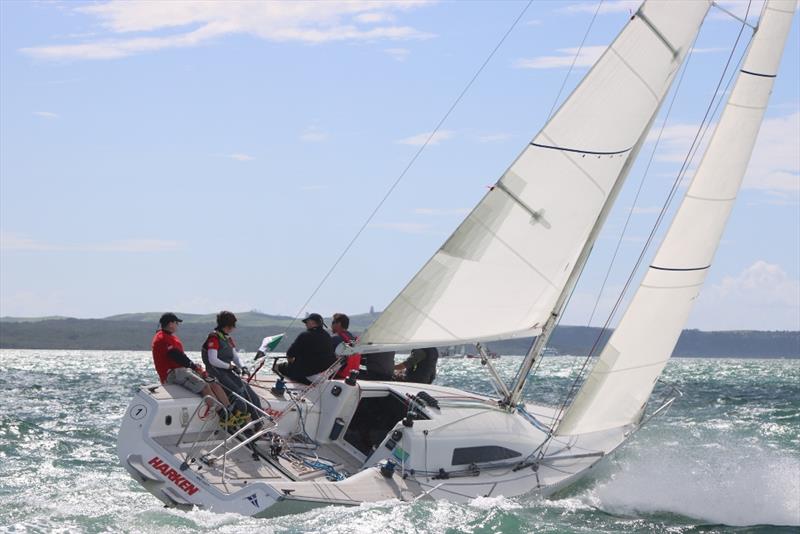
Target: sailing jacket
168,354
311,353
353,362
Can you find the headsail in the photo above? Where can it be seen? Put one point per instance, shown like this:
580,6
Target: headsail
621,381
506,266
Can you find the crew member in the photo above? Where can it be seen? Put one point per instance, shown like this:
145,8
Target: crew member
339,326
420,366
174,366
222,359
309,354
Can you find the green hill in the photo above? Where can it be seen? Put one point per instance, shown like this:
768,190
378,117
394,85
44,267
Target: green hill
133,331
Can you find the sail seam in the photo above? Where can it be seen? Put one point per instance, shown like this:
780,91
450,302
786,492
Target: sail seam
512,249
770,8
758,74
731,199
649,286
638,76
575,164
631,368
680,268
746,107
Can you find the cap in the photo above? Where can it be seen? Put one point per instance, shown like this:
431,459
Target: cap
316,317
168,318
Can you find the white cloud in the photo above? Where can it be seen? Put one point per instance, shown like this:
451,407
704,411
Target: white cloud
532,22
493,138
46,114
13,242
612,6
775,164
241,157
586,58
438,211
313,134
193,22
762,296
400,54
420,139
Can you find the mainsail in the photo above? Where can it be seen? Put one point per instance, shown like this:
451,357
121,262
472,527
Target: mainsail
505,268
617,389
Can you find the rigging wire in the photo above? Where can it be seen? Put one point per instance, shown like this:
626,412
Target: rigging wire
574,59
411,162
691,153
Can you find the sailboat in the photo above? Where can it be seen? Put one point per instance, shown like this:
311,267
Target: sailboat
505,272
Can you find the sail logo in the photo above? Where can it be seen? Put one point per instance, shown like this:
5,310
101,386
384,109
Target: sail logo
253,499
173,476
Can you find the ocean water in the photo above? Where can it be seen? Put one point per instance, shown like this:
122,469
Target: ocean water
724,458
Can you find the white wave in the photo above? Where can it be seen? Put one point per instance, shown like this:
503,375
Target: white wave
738,485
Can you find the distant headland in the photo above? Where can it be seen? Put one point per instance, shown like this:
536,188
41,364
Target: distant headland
133,331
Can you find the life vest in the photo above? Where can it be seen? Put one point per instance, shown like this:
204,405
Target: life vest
224,345
353,361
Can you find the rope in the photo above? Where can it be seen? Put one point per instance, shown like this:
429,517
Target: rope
702,129
410,163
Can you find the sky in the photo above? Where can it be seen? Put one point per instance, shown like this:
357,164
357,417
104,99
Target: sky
197,156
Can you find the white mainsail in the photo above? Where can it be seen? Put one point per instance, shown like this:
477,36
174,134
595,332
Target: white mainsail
623,378
504,269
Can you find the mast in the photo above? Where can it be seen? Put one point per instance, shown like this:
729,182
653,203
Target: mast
535,353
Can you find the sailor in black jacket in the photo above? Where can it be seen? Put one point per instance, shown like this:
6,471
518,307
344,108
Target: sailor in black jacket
310,354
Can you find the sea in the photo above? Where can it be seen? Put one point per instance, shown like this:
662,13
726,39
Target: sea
724,458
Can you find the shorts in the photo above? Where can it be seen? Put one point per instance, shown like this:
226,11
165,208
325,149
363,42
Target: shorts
183,376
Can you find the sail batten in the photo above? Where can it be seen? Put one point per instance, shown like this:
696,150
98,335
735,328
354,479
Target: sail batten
617,389
507,266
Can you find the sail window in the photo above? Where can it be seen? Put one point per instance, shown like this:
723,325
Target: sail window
486,453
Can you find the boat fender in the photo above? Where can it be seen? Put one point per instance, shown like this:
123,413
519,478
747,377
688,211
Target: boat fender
336,390
387,469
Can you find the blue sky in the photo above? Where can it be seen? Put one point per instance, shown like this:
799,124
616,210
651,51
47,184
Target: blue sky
199,156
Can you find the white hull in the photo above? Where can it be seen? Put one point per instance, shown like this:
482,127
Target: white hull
160,435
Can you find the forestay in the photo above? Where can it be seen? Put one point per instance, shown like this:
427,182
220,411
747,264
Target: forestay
623,378
504,268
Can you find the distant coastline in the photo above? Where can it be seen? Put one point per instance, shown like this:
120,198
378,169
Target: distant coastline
135,330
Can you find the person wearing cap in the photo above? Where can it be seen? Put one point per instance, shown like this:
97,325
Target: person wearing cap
309,354
420,366
174,366
222,359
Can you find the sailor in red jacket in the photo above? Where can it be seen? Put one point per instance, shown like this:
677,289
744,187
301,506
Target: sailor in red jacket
339,326
174,366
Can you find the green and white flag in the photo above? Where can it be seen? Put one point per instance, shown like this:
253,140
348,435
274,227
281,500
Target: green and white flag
270,342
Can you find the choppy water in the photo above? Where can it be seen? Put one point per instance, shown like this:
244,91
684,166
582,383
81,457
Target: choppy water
725,458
